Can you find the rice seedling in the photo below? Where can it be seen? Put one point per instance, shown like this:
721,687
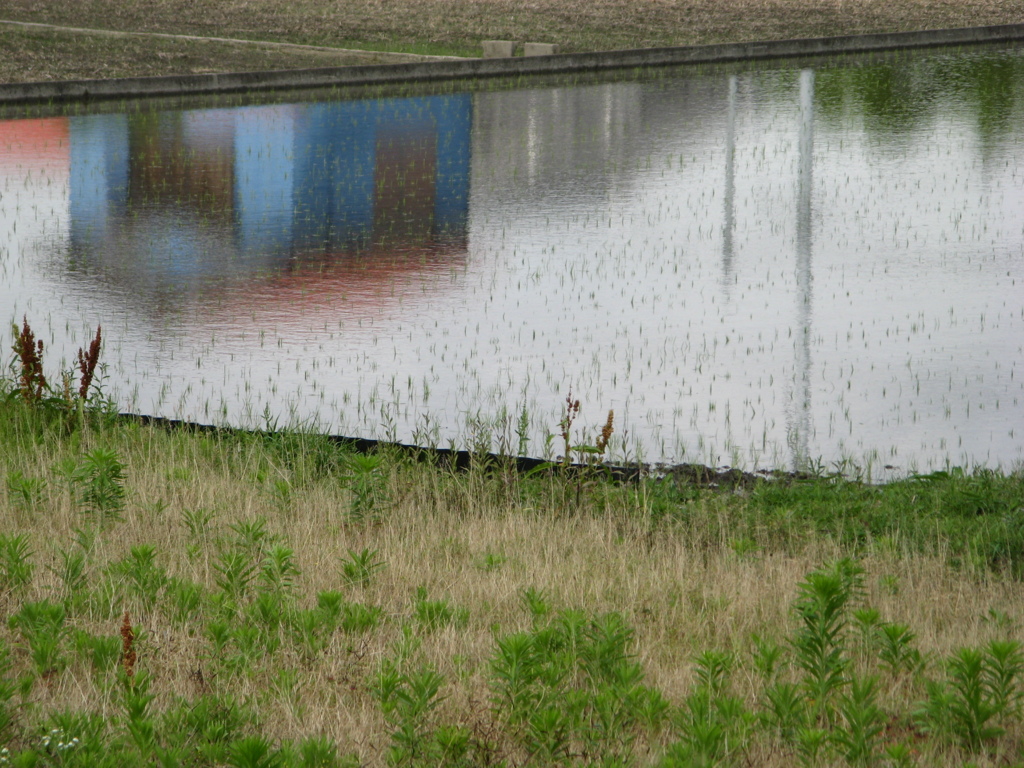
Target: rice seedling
575,288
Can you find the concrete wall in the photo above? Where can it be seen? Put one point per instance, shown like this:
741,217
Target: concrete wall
79,90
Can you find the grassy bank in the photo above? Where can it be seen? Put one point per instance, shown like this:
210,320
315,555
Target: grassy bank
447,27
35,55
222,598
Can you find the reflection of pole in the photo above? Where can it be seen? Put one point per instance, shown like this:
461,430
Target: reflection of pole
730,188
802,362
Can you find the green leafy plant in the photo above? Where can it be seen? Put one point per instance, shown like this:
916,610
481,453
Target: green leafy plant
320,752
768,657
235,574
42,627
1004,668
536,602
100,479
365,480
135,701
819,643
899,755
279,572
71,572
252,536
357,618
866,621
103,652
408,701
184,600
15,563
550,729
7,690
144,579
491,561
244,560
331,604
26,492
895,650
432,614
311,630
811,743
712,723
982,688
282,492
266,614
785,709
199,523
571,686
359,568
515,669
253,752
859,738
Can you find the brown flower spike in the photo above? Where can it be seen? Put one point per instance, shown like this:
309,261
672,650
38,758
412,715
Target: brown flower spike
30,355
606,432
572,410
87,363
128,656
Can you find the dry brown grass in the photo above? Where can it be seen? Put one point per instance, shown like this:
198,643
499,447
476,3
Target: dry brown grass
574,24
682,594
29,55
457,26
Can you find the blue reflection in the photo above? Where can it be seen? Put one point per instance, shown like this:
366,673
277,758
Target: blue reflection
201,191
99,174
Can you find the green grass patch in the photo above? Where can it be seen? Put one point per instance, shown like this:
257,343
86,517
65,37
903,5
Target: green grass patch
192,597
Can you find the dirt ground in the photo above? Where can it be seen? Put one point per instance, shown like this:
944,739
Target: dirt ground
453,27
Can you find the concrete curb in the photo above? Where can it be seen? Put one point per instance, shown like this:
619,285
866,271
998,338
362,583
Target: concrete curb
175,85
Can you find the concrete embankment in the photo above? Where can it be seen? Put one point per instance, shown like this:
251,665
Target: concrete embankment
425,71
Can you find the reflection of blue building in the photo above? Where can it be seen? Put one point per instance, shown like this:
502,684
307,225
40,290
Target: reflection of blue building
183,190
99,173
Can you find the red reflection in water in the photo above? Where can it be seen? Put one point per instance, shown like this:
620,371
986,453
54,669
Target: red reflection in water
377,282
36,144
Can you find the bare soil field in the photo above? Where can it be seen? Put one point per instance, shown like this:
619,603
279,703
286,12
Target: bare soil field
453,27
30,55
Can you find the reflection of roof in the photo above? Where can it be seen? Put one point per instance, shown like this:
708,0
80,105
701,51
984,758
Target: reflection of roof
35,144
330,287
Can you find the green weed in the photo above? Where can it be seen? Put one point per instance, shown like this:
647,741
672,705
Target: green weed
359,568
15,563
43,630
981,689
100,478
820,643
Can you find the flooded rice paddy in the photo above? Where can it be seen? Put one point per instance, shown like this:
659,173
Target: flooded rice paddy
766,267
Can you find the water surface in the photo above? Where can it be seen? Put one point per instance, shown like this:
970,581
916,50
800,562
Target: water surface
763,267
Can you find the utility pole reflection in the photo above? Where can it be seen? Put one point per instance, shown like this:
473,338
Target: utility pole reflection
800,427
730,189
